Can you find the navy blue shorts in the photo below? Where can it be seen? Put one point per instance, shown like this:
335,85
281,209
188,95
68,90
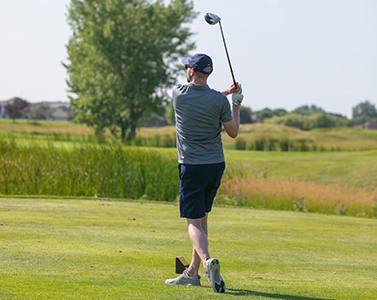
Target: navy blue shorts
198,188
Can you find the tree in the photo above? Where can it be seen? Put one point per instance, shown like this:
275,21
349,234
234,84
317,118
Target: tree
279,112
343,122
323,120
245,115
15,108
364,112
320,120
265,113
364,109
123,56
169,113
306,110
38,111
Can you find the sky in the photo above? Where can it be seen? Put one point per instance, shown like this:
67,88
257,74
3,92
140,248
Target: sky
285,53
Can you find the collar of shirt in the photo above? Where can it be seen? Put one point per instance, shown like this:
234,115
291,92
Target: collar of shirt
198,86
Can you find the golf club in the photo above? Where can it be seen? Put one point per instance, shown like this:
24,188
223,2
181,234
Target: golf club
213,19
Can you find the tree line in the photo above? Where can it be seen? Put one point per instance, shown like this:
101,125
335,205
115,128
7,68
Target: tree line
305,117
309,117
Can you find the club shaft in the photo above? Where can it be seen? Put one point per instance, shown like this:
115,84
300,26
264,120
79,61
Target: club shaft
227,54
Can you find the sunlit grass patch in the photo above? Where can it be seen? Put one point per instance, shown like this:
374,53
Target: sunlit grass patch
292,194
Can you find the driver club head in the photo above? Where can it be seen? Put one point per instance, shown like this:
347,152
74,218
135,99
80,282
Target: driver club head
211,18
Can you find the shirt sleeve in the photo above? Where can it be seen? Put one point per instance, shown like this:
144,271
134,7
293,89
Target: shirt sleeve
226,114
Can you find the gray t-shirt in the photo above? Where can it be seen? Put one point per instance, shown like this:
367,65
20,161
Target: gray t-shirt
199,112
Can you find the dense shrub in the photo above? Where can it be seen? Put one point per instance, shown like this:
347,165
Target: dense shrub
319,120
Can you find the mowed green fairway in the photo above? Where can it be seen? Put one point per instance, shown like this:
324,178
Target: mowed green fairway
86,249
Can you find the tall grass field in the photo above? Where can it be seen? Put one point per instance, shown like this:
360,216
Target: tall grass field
75,163
95,171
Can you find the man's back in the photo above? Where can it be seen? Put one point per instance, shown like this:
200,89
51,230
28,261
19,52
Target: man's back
199,112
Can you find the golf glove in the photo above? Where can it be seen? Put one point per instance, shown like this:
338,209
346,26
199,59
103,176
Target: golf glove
237,97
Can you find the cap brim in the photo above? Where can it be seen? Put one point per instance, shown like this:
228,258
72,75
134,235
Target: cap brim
185,61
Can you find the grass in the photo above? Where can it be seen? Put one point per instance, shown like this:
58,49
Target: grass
84,249
353,169
329,139
291,194
66,159
344,168
273,136
96,171
44,127
341,183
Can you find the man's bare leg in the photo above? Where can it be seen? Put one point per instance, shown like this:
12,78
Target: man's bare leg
198,231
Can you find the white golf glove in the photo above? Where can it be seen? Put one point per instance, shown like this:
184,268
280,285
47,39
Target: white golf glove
237,97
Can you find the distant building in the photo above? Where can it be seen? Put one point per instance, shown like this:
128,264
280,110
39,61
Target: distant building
60,114
57,110
56,104
158,121
368,126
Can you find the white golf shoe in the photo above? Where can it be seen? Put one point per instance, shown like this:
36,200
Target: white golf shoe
185,279
213,275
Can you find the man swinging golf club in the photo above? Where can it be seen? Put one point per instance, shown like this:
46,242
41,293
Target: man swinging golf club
199,112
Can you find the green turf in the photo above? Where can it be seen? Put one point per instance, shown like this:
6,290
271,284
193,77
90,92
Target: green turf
83,249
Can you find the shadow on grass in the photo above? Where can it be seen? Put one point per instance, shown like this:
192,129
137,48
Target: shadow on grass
268,295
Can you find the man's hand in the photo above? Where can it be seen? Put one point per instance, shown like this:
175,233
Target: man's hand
232,89
237,97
